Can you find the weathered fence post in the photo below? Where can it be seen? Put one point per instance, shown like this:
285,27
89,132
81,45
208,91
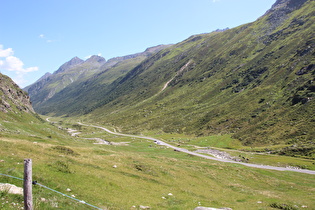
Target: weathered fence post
28,197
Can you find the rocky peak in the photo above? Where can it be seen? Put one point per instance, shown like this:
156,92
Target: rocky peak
74,61
289,4
96,58
283,7
280,11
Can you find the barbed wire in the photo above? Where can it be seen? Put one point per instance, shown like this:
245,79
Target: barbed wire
48,188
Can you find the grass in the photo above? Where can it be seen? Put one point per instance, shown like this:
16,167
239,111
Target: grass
258,155
145,174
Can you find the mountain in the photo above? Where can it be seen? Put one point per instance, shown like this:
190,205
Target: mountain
254,82
12,98
77,73
72,63
50,84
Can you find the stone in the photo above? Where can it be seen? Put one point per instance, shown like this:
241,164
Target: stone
12,189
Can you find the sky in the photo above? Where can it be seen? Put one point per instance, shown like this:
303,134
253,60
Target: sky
38,36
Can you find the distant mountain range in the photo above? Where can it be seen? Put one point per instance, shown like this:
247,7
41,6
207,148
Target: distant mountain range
79,70
254,82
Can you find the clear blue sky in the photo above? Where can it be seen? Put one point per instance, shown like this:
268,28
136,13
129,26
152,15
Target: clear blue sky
37,36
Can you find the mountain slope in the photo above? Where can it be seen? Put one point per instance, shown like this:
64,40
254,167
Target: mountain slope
254,81
50,84
12,98
17,117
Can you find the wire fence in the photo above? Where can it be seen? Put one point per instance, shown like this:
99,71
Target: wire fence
48,188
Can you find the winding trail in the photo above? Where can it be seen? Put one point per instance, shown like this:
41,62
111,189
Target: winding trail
159,142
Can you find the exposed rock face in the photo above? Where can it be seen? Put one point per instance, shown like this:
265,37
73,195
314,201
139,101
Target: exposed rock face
286,6
12,97
280,10
96,59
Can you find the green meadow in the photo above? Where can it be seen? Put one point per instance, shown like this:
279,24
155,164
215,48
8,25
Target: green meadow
133,172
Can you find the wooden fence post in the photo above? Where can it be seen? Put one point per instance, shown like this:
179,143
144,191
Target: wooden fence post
28,197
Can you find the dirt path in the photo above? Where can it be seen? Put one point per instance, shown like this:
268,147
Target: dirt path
177,73
159,142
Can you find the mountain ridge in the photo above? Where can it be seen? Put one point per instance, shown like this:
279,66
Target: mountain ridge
77,69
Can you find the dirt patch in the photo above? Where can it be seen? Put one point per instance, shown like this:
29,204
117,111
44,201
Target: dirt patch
219,154
99,141
120,143
73,132
102,141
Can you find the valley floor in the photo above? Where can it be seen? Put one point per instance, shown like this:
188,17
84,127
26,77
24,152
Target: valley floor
133,171
178,149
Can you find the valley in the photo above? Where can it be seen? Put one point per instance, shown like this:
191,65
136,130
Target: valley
254,82
223,120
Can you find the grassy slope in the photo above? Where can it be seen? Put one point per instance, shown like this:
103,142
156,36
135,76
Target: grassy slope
145,173
243,81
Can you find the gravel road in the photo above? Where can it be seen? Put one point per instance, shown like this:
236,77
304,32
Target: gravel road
159,142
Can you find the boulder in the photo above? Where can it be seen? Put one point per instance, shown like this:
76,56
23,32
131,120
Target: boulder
10,188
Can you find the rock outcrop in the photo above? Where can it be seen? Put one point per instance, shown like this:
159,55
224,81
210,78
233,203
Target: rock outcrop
12,98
